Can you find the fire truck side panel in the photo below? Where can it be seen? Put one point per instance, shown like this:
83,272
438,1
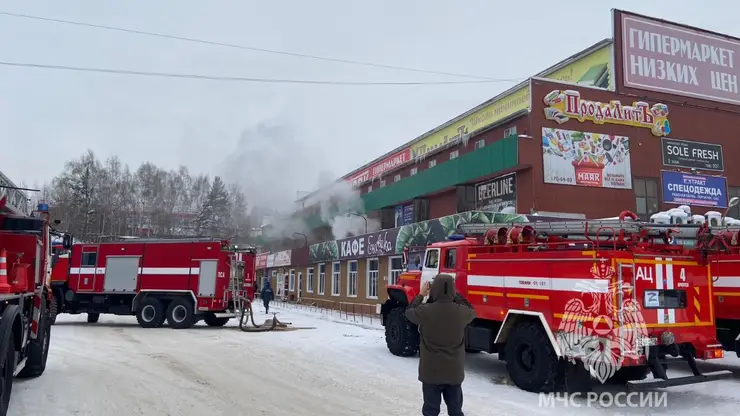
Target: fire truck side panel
249,274
726,282
24,254
119,268
672,292
725,272
171,266
83,270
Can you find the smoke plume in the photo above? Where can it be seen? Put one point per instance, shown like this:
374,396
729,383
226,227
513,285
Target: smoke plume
272,165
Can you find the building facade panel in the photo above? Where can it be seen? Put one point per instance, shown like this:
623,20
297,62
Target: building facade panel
686,122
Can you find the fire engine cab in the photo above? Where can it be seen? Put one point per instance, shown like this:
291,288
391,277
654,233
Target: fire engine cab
157,280
614,297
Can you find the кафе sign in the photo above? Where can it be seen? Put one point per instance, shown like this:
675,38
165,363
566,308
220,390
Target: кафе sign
378,244
692,155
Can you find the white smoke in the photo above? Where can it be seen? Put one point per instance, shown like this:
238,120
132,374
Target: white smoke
338,205
272,165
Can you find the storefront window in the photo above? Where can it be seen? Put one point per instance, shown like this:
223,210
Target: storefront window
646,195
372,278
396,265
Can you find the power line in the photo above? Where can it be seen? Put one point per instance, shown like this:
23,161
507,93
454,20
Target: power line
250,48
227,78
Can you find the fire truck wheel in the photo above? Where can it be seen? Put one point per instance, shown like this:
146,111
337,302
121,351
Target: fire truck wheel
401,336
7,360
150,313
531,360
625,374
93,317
38,349
180,314
53,309
211,320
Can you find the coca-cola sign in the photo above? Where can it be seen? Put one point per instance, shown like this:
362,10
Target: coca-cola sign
382,243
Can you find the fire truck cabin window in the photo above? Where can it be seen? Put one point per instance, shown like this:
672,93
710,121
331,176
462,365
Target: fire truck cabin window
450,258
89,259
432,259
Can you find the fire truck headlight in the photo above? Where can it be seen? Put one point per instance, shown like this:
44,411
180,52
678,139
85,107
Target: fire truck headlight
667,338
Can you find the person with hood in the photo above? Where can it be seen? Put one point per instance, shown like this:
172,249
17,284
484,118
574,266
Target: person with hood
266,294
442,321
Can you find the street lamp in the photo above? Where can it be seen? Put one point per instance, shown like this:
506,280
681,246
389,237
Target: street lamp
304,237
361,216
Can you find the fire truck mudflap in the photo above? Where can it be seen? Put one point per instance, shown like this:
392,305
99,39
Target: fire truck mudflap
615,298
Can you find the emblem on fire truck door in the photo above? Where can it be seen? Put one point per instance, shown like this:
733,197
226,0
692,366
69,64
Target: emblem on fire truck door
594,332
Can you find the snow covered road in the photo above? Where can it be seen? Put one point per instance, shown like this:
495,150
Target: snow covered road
116,368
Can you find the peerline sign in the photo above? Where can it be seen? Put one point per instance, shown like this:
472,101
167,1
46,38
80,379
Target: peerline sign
496,194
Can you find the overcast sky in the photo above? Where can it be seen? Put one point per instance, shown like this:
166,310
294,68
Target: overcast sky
275,129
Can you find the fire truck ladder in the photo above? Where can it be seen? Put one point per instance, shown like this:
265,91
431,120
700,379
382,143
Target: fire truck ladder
242,304
603,230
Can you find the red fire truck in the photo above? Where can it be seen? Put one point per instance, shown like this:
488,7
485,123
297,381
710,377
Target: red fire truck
180,281
25,263
615,297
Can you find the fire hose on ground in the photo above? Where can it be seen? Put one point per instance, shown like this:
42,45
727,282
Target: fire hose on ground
247,306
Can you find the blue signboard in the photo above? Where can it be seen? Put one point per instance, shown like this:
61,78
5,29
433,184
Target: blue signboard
690,189
408,214
404,215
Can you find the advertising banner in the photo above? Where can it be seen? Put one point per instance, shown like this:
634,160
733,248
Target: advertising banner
665,57
586,159
398,215
414,237
404,215
377,169
408,214
378,244
260,261
701,190
692,155
282,258
566,104
496,194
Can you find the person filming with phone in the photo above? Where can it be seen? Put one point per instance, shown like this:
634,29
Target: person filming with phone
442,320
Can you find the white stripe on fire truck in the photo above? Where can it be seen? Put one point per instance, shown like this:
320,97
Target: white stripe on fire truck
560,284
659,285
670,286
142,270
726,281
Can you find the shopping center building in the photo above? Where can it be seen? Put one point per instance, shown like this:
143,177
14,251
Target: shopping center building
641,122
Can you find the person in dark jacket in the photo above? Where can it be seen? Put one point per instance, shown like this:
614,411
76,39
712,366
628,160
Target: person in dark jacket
442,321
266,294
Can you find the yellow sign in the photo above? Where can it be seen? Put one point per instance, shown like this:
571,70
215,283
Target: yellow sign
567,104
591,70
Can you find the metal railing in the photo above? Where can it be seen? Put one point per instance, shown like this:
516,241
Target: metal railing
348,311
